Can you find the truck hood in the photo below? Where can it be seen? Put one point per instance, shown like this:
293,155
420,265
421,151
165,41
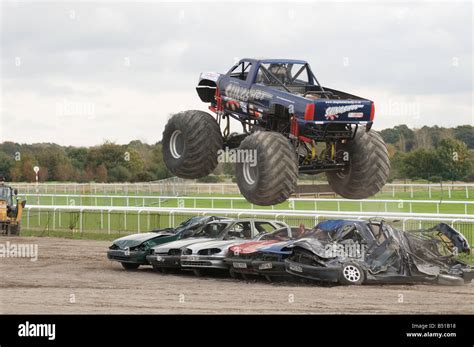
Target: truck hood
134,240
179,244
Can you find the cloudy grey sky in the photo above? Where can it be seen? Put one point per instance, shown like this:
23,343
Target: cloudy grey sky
81,72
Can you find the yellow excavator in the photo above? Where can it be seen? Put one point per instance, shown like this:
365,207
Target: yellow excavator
11,210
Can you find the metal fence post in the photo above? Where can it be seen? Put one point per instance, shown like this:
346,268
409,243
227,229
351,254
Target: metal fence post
108,221
80,221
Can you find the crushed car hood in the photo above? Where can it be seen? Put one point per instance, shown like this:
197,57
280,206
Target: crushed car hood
179,244
137,239
215,244
278,247
313,245
251,247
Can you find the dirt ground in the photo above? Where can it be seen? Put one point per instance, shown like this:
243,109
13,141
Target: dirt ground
74,276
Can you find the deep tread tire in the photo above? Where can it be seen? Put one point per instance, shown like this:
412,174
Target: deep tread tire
369,167
276,172
200,138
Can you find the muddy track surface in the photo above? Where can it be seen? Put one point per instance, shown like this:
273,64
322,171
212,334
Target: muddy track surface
74,276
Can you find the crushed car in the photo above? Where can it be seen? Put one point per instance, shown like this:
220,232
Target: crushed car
256,257
131,250
167,256
356,252
211,254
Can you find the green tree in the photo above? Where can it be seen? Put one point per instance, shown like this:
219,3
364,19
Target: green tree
6,164
452,159
465,133
421,163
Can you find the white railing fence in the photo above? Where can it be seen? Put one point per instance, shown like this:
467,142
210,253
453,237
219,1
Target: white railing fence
187,187
339,205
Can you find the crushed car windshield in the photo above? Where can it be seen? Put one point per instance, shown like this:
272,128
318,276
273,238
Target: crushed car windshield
348,231
212,230
280,235
189,222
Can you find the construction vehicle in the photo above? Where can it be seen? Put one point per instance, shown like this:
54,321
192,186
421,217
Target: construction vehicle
11,210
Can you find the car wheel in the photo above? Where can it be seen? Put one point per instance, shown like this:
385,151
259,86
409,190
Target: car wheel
232,273
130,266
351,274
197,272
269,278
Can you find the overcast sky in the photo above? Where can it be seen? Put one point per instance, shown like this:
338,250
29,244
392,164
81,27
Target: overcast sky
79,73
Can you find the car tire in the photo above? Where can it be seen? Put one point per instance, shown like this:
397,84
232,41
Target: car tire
449,280
191,141
232,273
245,277
269,278
368,170
351,274
274,176
197,272
130,266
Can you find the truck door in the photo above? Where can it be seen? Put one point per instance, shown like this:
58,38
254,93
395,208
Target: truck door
235,86
260,95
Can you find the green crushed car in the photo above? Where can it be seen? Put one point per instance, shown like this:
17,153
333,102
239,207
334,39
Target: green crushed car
131,250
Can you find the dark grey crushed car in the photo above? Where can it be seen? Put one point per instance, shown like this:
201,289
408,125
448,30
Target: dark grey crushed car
356,252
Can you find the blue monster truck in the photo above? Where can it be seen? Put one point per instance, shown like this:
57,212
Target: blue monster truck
290,121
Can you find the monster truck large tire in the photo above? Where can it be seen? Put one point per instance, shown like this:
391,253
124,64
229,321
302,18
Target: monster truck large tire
191,140
273,179
368,170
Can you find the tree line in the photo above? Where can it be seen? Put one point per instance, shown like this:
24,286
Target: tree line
432,153
108,162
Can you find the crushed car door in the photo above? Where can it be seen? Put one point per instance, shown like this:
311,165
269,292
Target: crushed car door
384,251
